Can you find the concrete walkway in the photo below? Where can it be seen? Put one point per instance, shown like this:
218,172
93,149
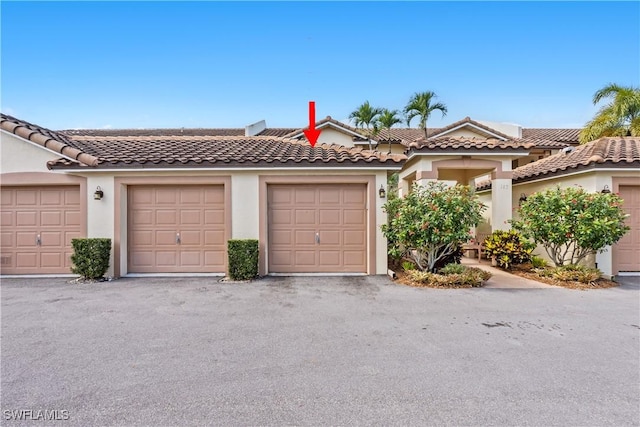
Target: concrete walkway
501,279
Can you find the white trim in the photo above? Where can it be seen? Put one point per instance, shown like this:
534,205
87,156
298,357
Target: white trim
57,154
629,273
176,275
467,124
463,152
37,276
315,274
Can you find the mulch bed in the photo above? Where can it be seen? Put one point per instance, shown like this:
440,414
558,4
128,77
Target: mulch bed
601,283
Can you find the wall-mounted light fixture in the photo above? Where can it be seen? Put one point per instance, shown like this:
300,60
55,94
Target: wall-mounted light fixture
99,194
606,190
382,192
522,199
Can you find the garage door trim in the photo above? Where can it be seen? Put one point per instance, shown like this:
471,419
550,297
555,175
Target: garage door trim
121,208
265,180
48,179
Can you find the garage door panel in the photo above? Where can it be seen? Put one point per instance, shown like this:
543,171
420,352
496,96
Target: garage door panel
214,216
25,198
191,237
190,217
166,217
6,239
51,219
330,217
70,235
72,218
52,239
330,210
353,238
330,258
27,261
305,217
6,219
165,238
177,229
51,198
27,218
305,258
51,259
27,239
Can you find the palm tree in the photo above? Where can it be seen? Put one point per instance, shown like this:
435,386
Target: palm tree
365,117
421,105
387,119
620,117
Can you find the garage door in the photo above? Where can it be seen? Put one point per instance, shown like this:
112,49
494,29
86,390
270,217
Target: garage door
626,253
317,228
37,225
176,229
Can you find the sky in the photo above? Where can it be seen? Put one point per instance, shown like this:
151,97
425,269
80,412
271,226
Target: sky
228,64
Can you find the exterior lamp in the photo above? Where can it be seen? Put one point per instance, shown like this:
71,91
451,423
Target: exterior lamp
606,190
99,194
522,199
382,192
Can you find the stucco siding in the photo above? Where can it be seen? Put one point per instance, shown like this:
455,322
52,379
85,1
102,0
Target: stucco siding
333,136
19,155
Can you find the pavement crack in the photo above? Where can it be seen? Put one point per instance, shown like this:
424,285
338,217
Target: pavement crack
494,325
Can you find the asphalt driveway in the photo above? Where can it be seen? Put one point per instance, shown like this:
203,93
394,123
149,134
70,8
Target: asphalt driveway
317,351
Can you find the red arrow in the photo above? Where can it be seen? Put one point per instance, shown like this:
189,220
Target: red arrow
312,133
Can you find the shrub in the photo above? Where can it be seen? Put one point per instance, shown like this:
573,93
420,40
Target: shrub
408,265
431,222
508,248
571,223
538,262
575,273
243,259
90,257
452,269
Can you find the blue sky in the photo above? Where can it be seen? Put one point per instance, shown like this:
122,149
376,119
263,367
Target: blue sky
216,64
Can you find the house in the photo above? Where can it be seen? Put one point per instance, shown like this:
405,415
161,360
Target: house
171,198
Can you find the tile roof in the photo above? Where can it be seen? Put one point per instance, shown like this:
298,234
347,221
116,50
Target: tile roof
604,152
172,132
466,143
325,121
608,152
52,140
543,144
561,135
220,151
467,120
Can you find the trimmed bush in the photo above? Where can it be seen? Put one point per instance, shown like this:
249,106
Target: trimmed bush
469,277
508,248
90,257
243,258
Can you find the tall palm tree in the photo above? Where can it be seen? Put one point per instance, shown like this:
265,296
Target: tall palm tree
387,119
365,117
620,117
421,105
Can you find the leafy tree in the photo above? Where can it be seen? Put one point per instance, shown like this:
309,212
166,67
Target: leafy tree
421,105
366,117
619,117
571,223
387,119
431,222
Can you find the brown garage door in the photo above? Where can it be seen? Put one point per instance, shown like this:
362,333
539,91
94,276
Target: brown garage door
626,253
176,229
37,226
317,228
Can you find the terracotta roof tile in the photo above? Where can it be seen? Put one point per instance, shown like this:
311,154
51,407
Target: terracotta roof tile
155,132
52,140
569,136
194,151
465,143
324,121
543,144
607,152
468,120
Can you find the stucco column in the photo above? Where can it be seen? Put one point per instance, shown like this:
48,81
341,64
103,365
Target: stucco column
501,204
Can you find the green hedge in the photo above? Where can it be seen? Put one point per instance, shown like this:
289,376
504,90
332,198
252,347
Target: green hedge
243,259
90,257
